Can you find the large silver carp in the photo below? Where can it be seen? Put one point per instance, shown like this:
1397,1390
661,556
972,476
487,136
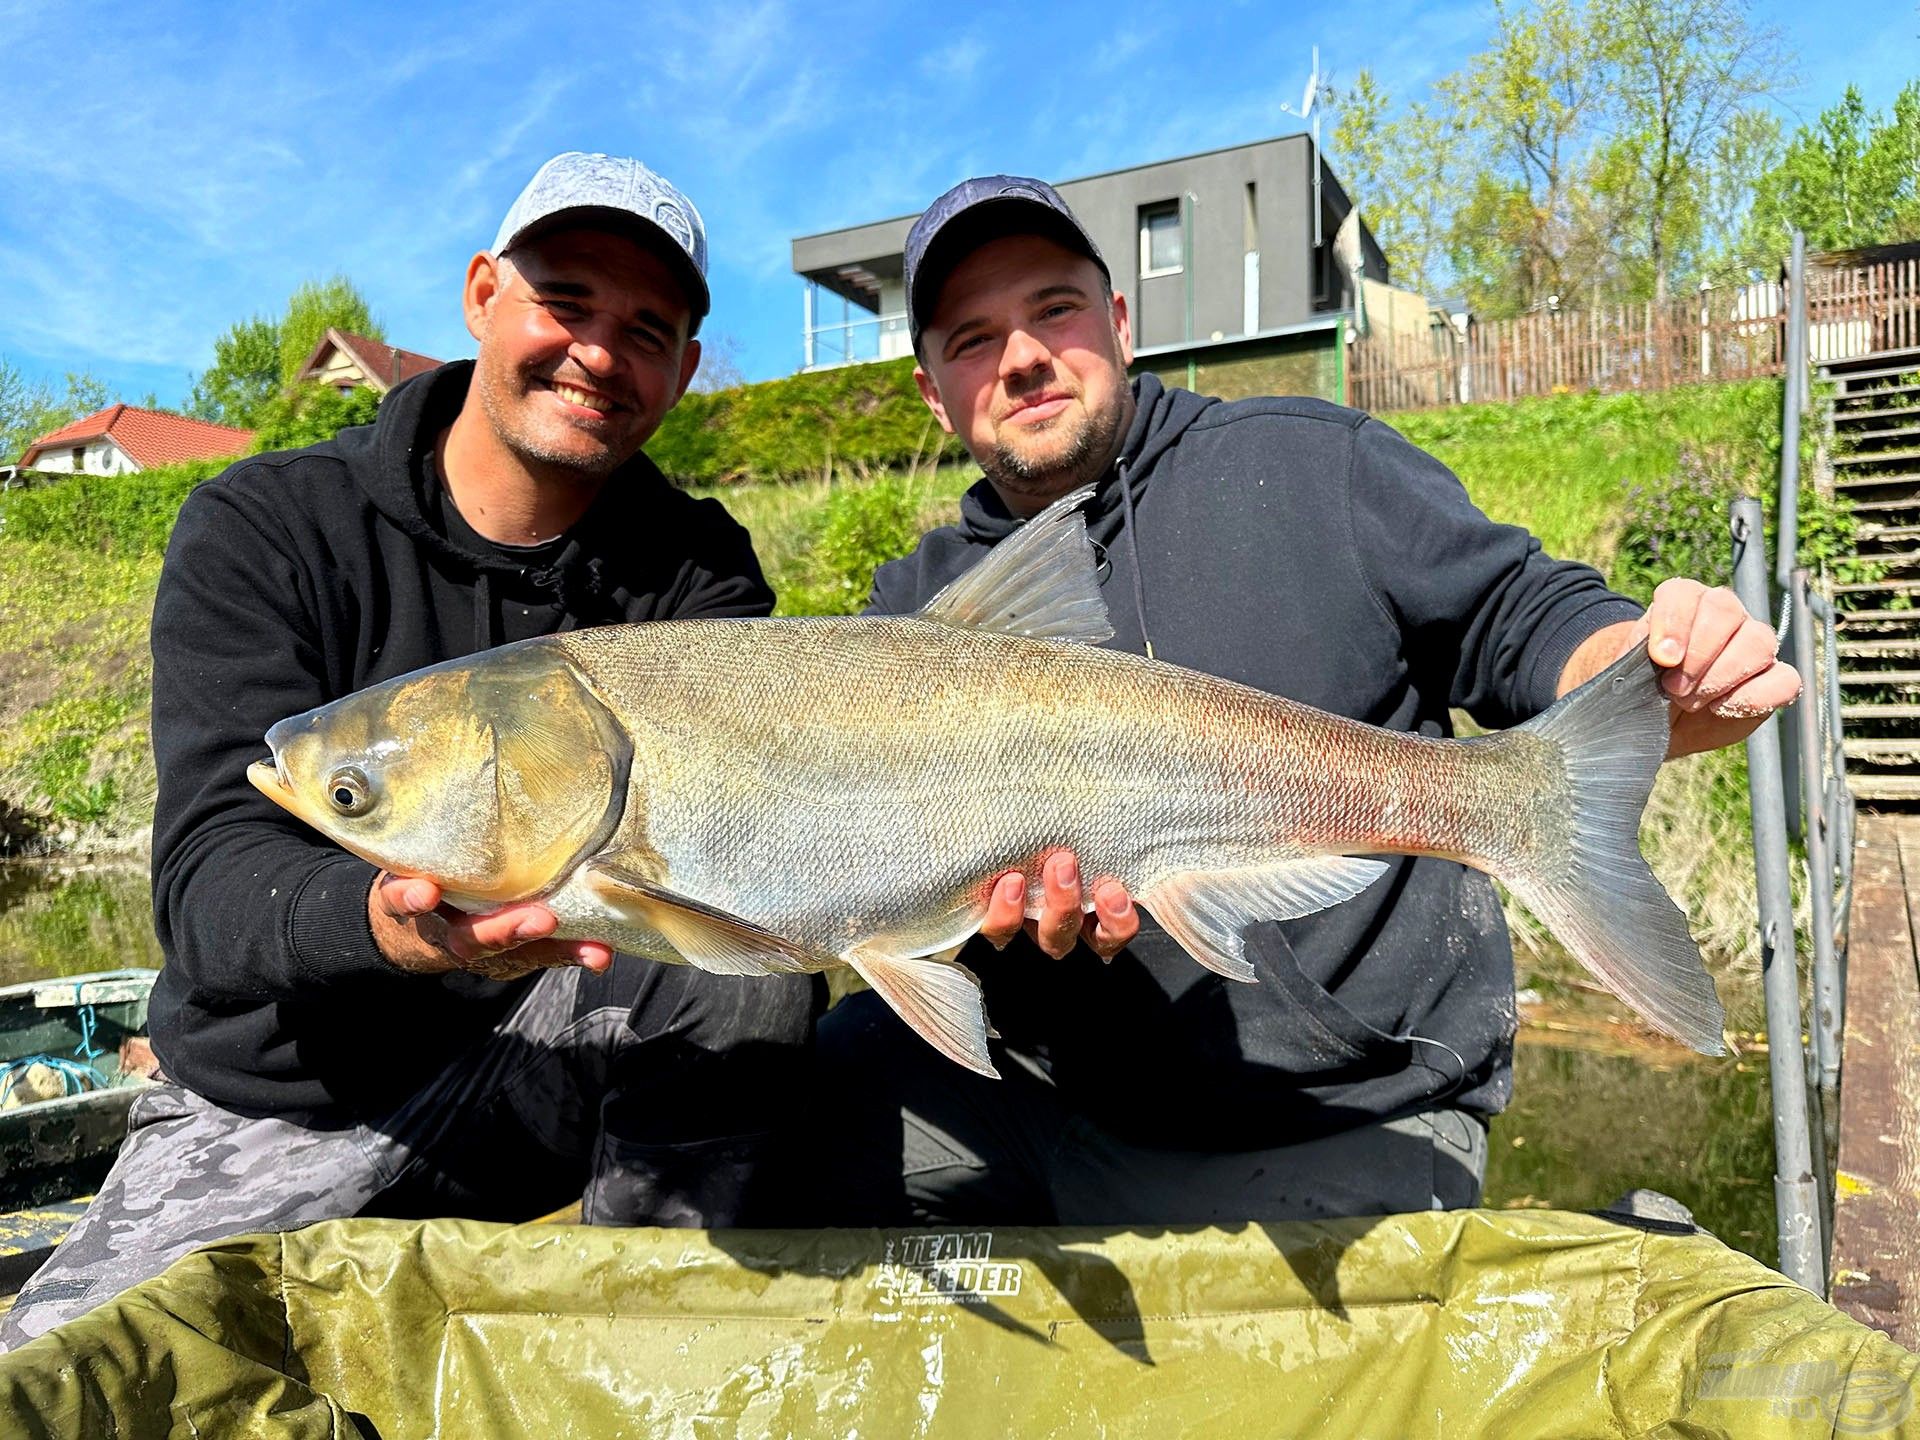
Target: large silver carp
772,796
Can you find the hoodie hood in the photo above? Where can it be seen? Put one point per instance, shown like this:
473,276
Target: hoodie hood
1160,417
391,460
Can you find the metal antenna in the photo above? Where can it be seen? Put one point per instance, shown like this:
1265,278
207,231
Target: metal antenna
1316,91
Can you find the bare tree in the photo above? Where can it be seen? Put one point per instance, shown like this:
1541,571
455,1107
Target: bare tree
1686,70
719,365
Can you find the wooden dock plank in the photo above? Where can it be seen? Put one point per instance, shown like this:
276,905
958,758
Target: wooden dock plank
1876,1228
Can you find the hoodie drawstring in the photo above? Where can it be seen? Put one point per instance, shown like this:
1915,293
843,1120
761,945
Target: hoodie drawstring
482,612
1133,548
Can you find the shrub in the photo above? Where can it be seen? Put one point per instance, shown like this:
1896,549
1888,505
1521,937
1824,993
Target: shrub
308,414
859,415
1680,523
131,514
1677,525
858,529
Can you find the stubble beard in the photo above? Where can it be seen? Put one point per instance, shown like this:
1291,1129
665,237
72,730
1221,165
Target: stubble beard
1084,457
507,404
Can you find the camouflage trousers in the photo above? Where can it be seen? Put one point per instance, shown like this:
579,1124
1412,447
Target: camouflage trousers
649,1094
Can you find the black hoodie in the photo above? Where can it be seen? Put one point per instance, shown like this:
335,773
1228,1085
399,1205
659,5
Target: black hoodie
293,579
1308,551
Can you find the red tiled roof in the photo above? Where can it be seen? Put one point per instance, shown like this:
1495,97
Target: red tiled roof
384,365
149,436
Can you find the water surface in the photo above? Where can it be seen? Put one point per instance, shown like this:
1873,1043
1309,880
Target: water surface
1596,1111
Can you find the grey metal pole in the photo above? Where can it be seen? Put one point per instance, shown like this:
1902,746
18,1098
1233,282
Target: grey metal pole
1820,835
1788,532
1795,1196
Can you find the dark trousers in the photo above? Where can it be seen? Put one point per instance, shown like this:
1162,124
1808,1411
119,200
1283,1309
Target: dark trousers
650,1094
906,1137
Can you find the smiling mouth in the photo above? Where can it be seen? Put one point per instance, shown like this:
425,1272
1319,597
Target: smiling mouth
583,399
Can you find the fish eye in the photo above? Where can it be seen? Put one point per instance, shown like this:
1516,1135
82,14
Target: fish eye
348,791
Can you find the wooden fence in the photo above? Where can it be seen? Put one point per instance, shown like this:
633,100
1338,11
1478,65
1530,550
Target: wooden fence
1855,310
1721,334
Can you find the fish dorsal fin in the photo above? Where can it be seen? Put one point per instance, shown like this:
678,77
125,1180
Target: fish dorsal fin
1041,581
709,938
1206,911
939,998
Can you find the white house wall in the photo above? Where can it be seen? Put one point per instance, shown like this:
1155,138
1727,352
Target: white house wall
103,457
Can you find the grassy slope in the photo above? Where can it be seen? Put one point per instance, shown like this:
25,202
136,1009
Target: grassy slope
74,670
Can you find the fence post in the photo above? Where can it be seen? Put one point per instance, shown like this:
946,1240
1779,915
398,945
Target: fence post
1795,1195
1706,330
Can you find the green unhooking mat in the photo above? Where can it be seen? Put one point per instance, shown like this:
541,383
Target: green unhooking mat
1456,1325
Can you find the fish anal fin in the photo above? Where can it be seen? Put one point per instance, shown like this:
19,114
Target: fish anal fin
1041,581
711,939
1206,910
937,997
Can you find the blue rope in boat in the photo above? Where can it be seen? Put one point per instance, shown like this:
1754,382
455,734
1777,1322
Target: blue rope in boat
85,1049
74,1077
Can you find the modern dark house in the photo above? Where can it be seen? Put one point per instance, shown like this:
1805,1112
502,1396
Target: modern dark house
1233,287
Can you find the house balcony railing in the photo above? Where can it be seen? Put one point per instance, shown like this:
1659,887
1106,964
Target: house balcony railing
855,339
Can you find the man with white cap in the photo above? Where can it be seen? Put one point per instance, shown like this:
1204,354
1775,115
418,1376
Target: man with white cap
333,1040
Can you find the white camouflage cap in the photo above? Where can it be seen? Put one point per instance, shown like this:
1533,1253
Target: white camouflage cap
569,188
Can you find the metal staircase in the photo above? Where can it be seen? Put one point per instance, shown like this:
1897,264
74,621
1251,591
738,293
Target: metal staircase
1874,441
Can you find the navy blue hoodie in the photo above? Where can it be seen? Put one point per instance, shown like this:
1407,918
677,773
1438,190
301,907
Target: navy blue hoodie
1309,551
291,580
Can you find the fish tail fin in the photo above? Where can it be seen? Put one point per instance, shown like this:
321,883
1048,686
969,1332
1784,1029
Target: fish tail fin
1585,877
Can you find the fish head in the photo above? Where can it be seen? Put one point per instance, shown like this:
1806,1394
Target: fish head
493,776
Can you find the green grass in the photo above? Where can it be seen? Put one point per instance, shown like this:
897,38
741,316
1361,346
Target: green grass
1562,465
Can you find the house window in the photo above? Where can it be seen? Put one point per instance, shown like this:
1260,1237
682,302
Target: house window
1160,240
79,458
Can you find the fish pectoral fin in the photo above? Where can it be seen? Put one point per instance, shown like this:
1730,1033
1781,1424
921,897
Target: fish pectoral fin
1041,581
711,939
935,995
1206,910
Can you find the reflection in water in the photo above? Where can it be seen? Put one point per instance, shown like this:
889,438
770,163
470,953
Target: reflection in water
1588,1124
1591,1117
62,921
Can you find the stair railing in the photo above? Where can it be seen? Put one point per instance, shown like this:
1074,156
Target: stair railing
1796,1193
1805,1079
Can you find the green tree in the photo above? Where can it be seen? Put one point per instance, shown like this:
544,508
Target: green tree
1744,154
1683,72
244,376
1399,171
1850,178
1538,97
314,308
719,366
30,408
258,358
309,413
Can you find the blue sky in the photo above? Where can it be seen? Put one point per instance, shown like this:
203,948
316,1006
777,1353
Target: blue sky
172,168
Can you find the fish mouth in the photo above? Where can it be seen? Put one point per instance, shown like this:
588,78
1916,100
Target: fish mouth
269,777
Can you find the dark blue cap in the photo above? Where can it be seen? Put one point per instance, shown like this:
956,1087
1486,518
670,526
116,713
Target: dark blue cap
972,213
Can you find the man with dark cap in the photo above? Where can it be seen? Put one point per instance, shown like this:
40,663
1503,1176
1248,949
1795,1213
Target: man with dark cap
335,1041
1305,549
